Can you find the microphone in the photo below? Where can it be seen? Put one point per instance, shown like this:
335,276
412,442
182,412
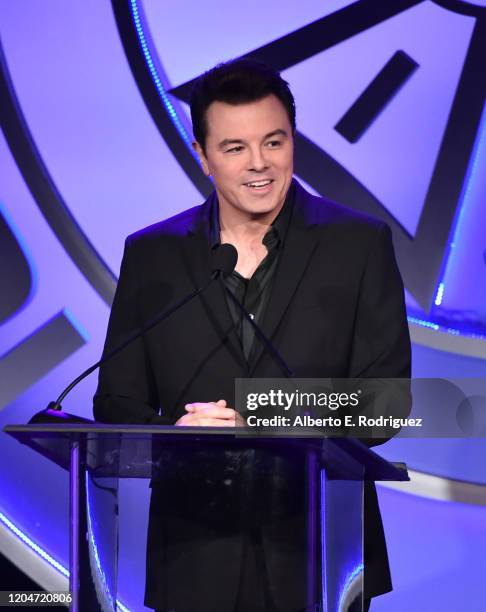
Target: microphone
223,258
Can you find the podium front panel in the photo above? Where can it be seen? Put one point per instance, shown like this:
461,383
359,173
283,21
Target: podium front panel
282,515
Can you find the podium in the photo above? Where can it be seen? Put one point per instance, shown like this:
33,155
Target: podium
302,495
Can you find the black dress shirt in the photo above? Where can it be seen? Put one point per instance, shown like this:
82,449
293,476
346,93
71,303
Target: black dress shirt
254,292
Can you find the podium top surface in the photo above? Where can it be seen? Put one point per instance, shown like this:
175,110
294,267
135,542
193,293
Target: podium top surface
135,447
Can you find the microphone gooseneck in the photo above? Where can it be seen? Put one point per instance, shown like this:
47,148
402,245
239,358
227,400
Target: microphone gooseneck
263,338
223,260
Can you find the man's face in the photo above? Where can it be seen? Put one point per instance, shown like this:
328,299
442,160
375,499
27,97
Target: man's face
249,154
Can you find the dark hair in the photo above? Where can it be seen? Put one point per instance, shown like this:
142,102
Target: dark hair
237,82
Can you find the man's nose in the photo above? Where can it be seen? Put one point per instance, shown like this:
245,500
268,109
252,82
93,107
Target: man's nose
258,161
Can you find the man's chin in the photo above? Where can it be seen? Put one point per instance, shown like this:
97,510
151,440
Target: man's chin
262,205
260,211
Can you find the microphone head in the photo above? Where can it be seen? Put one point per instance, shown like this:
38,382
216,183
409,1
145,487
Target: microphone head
223,259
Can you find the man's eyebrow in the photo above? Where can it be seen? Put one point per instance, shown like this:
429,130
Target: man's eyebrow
231,141
278,132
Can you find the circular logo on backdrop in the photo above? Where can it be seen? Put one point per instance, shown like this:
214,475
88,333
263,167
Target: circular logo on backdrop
368,81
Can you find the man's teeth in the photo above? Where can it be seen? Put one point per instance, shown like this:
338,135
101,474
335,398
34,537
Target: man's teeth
258,184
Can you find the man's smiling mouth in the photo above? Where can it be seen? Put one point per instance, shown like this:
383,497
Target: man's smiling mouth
259,184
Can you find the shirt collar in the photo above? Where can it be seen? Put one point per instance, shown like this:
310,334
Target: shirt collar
276,233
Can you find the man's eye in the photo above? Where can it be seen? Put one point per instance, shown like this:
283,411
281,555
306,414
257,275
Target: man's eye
273,143
236,149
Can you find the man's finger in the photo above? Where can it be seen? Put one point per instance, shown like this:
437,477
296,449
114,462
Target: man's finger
211,410
200,421
195,406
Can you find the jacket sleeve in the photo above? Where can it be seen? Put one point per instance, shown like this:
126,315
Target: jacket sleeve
381,341
126,390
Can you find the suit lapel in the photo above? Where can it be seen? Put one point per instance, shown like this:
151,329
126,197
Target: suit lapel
299,245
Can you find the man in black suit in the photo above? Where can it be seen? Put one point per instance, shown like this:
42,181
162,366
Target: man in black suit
320,280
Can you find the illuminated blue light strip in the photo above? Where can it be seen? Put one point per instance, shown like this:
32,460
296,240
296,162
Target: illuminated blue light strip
471,174
440,295
347,584
155,77
42,553
448,330
423,323
94,548
33,546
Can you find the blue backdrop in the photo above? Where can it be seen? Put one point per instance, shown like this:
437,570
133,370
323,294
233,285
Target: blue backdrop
96,144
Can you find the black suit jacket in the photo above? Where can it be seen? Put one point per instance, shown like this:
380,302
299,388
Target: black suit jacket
336,309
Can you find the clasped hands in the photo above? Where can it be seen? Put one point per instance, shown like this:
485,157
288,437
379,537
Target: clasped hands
211,414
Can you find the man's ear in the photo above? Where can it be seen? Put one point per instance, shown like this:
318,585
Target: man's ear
202,157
